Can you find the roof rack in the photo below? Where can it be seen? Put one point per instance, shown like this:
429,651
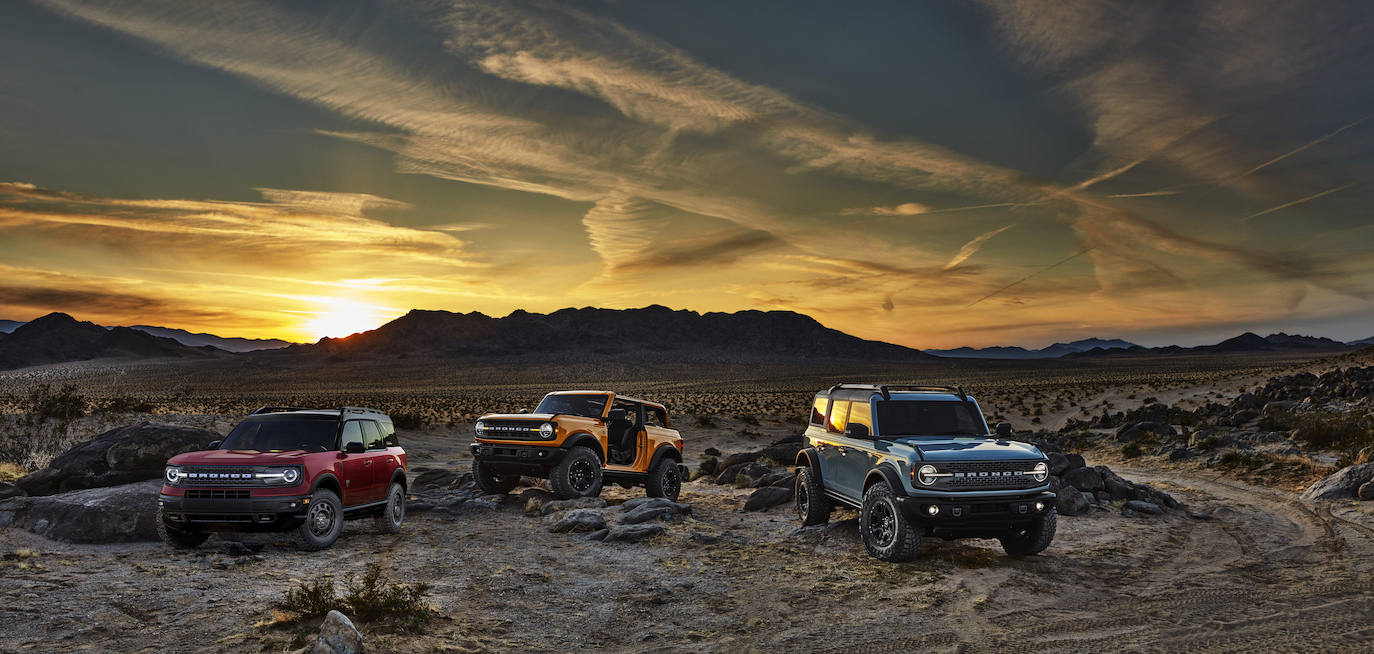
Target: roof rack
357,409
278,409
886,389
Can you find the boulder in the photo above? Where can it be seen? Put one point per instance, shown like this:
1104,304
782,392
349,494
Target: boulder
1365,492
711,452
767,497
750,474
786,478
578,520
117,457
1075,461
1141,506
708,466
646,514
338,636
642,502
784,454
1084,479
727,475
1072,502
632,533
1058,463
790,438
1342,484
433,478
114,514
10,490
1143,430
740,457
555,506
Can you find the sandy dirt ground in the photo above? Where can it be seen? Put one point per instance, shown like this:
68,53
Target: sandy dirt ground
1266,572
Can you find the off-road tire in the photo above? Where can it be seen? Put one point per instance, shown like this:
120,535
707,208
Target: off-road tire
394,513
813,507
324,520
1034,539
492,482
885,531
665,480
182,540
577,475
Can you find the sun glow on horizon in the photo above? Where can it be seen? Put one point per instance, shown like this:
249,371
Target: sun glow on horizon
338,318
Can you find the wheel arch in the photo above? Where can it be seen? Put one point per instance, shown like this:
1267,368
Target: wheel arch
399,476
664,450
587,440
884,472
330,482
808,457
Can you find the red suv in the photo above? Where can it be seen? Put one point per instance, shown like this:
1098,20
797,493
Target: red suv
288,469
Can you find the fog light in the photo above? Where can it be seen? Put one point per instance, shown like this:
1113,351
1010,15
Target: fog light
1039,506
933,510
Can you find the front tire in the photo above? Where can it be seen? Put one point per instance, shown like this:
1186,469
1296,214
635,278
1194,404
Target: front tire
492,482
665,480
182,540
323,521
1034,539
886,533
577,475
813,508
389,522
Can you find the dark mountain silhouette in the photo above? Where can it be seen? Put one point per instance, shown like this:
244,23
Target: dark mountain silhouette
58,337
227,343
1363,341
653,332
1050,352
7,326
1249,342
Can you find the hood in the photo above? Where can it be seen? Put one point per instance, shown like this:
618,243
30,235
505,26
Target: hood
969,448
238,458
535,417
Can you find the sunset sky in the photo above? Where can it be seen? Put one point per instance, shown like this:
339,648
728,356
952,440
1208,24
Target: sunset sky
933,174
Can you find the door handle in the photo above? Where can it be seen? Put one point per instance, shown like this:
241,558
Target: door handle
367,462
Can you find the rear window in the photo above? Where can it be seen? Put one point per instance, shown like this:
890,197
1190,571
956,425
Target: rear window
818,410
282,433
389,434
929,418
839,416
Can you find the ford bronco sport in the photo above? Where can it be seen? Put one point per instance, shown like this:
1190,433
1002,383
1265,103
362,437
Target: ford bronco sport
919,461
288,469
578,440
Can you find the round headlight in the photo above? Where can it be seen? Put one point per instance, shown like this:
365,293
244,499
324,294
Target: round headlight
926,475
173,474
481,426
1040,471
546,430
290,475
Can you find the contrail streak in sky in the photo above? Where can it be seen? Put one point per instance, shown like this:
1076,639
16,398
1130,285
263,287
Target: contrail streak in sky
1295,202
1046,269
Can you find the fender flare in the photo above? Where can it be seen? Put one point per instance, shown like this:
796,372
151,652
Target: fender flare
588,440
399,475
808,457
327,478
664,450
885,472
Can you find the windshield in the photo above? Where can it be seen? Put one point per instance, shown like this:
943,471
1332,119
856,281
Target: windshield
929,418
590,406
280,433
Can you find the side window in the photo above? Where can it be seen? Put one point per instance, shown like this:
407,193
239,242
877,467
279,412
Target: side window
372,437
818,410
631,410
352,433
389,434
839,416
655,417
861,413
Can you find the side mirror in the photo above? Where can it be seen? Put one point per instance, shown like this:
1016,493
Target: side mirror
524,411
856,430
214,445
616,414
354,447
1003,429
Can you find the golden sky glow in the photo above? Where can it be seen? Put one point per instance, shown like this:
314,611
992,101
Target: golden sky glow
1006,173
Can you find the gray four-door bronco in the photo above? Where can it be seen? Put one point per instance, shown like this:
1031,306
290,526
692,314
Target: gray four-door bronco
918,461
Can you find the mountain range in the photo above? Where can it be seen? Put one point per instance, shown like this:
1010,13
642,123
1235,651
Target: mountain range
193,339
1052,352
653,332
1245,343
58,337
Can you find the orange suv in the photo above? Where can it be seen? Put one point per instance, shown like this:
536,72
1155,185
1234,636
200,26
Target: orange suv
579,440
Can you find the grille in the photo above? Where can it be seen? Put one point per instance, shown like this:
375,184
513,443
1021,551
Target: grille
217,494
513,430
219,476
988,475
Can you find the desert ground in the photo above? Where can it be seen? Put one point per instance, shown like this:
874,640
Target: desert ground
1246,564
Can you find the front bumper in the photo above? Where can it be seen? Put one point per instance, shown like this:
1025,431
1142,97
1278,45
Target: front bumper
983,513
525,455
267,513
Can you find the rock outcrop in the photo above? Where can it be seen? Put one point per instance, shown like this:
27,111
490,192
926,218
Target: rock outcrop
119,456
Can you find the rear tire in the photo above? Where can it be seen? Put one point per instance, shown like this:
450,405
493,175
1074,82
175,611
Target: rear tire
886,533
577,475
182,540
813,507
394,513
492,482
1034,539
323,521
665,480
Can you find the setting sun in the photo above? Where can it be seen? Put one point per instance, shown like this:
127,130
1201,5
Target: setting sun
342,318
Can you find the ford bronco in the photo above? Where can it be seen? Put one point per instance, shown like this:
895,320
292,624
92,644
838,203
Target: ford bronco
579,440
288,469
919,461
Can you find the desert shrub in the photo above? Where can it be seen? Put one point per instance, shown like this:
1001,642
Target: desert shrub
1206,443
63,404
1131,450
747,419
1344,431
123,405
706,421
407,420
369,598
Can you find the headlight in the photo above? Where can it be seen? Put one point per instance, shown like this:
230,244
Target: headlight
1040,471
481,427
926,475
546,430
173,474
279,476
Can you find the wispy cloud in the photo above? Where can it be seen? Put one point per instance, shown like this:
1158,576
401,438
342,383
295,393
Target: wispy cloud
971,248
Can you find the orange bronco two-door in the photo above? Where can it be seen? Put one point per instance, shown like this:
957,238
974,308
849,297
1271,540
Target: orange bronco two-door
579,440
